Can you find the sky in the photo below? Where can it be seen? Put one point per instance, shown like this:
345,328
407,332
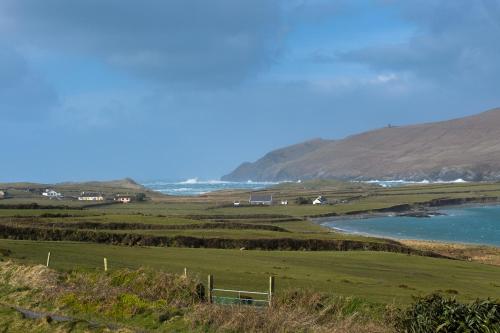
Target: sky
176,89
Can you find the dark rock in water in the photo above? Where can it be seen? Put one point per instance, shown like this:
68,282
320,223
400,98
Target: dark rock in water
421,214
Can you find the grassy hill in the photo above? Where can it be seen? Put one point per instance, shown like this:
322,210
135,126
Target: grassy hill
465,148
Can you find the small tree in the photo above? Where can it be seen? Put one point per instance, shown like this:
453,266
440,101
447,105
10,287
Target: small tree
140,197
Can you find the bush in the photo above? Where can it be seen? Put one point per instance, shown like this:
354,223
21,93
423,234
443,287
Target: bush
140,197
303,201
436,313
292,311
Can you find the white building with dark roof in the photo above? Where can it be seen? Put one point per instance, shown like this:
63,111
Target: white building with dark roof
261,199
51,194
321,200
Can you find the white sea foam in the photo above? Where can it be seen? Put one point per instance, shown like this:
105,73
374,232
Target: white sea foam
401,182
196,186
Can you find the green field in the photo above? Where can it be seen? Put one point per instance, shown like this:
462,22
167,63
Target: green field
204,234
375,276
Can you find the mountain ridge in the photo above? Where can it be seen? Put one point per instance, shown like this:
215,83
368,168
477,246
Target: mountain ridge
467,148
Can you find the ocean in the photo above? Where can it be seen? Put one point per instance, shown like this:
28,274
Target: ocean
479,225
195,186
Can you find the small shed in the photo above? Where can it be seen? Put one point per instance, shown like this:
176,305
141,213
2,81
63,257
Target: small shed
261,199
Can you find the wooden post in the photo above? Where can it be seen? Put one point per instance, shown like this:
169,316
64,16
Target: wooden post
271,289
185,272
105,264
48,259
210,287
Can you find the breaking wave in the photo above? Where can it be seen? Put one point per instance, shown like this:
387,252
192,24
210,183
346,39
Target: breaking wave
195,186
401,182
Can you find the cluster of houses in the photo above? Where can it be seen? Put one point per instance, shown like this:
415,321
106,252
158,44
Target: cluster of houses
267,200
96,196
89,196
83,196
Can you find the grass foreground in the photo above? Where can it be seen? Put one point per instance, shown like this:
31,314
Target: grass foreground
147,300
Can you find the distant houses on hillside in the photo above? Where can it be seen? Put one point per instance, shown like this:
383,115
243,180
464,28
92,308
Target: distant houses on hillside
51,194
91,196
261,199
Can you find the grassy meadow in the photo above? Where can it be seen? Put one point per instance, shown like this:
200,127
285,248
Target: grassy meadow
205,233
376,276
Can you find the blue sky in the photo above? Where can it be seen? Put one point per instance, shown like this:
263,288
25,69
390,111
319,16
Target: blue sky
104,89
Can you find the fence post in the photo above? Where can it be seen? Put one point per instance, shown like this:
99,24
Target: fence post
271,289
105,264
185,272
48,259
210,287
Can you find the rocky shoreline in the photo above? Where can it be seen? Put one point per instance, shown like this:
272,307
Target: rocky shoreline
422,210
425,209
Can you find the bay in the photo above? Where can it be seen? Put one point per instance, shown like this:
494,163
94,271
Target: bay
479,225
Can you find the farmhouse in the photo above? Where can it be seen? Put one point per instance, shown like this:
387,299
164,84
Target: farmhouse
91,196
3,194
51,194
123,198
261,199
321,200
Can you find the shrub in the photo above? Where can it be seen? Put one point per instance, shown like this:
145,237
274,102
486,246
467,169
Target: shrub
292,311
140,197
436,313
303,201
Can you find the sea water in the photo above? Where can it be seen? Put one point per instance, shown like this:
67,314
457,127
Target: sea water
196,187
479,225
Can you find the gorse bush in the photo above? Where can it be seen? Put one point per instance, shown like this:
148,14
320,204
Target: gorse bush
436,313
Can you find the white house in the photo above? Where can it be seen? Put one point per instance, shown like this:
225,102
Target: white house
51,194
91,196
321,200
261,199
123,198
2,194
